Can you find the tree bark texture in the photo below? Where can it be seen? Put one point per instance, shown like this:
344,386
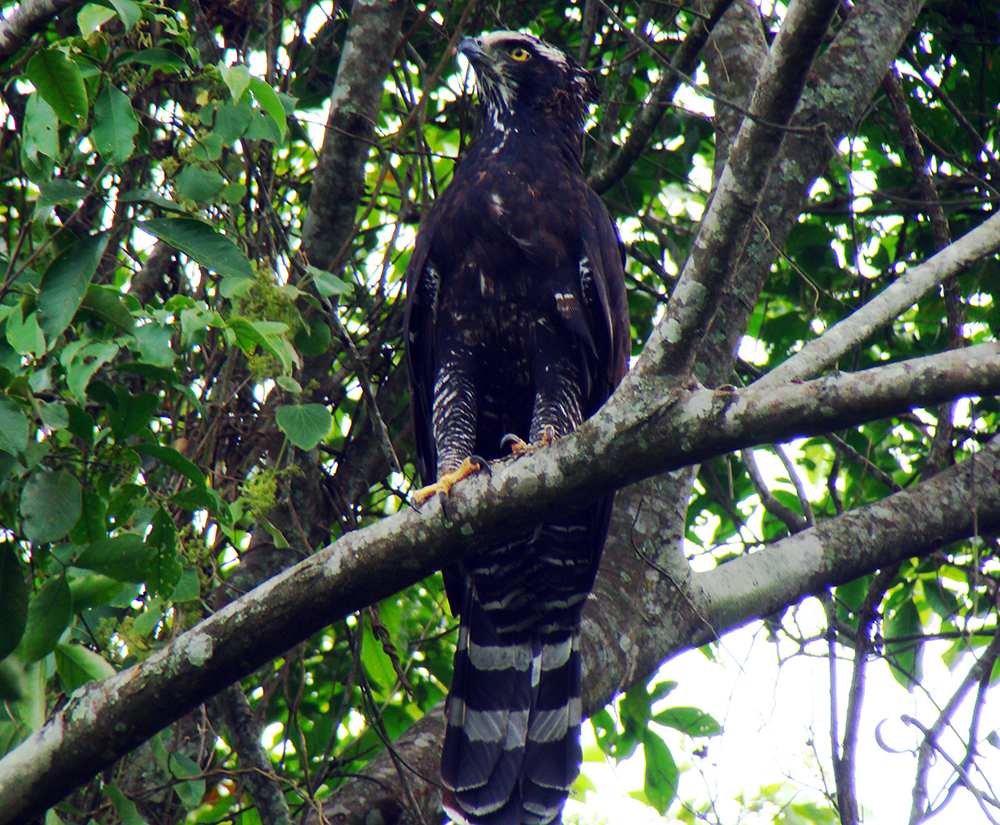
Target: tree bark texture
632,437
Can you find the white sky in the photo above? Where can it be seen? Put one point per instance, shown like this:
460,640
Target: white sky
770,715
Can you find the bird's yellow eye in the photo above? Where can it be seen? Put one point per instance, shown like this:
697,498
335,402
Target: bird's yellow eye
520,54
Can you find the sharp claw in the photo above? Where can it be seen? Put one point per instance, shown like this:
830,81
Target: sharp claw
514,441
484,465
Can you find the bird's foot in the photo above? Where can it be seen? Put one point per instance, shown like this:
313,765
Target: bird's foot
519,447
443,485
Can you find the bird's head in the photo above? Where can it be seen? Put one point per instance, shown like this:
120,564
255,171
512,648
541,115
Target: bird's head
520,77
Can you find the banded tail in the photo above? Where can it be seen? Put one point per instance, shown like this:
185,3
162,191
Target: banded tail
512,744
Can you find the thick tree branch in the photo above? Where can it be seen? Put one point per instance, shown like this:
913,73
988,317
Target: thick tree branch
673,347
629,439
338,182
26,19
670,609
842,82
959,502
244,738
733,58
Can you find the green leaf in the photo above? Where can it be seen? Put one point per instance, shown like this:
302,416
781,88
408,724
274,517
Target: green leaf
262,127
65,283
188,587
286,382
172,458
41,128
146,622
128,814
125,558
267,334
133,414
13,427
157,59
115,126
908,655
692,721
304,424
12,688
91,17
154,344
191,789
60,191
661,772
231,121
49,612
328,284
77,665
60,83
940,599
269,102
14,604
207,148
106,304
237,78
152,198
235,287
196,498
93,590
165,568
50,505
81,360
605,730
375,661
198,184
129,12
93,522
160,375
23,333
199,241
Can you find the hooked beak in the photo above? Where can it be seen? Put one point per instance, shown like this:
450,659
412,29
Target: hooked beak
473,50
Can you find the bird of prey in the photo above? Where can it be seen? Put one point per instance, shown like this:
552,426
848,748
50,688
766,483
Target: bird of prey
516,325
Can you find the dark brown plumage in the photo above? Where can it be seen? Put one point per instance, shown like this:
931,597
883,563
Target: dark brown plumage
516,324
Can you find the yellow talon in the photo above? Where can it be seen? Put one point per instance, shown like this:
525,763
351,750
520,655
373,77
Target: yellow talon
520,447
444,484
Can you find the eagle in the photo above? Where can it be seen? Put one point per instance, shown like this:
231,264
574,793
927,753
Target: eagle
516,330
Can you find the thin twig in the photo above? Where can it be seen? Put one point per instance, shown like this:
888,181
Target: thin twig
800,488
982,667
792,520
932,744
385,442
844,767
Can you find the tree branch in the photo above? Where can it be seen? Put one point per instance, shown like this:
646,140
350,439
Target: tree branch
338,181
856,60
621,444
645,122
905,291
982,668
673,346
673,609
25,20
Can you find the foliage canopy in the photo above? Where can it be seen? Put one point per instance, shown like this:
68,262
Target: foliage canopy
200,382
